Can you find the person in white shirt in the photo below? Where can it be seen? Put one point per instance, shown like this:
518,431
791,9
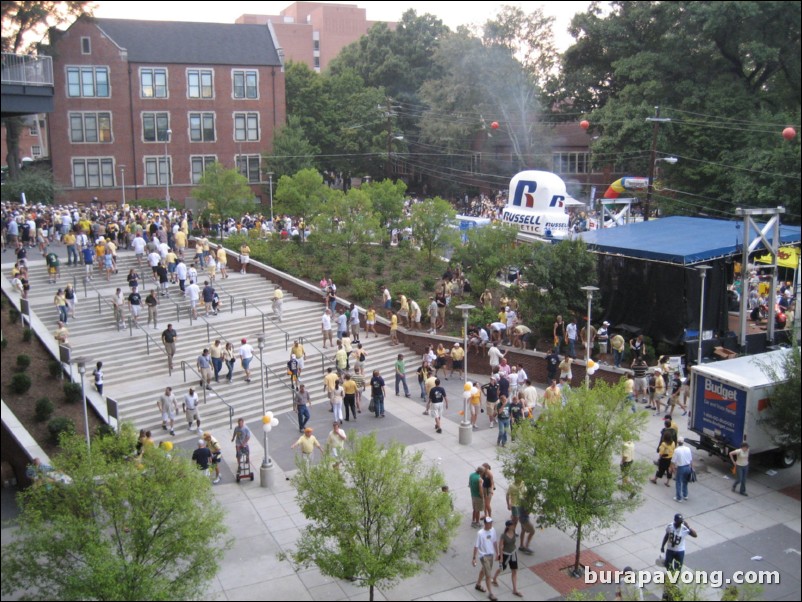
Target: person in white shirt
246,355
675,538
181,273
138,245
193,293
325,328
740,459
486,550
494,355
682,465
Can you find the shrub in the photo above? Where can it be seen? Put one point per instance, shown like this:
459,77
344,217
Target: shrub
44,409
342,275
104,430
410,288
13,314
363,291
20,383
428,282
72,392
59,425
23,362
378,268
27,335
54,367
409,272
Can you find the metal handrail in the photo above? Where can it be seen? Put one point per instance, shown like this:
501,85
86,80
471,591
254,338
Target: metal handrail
184,366
279,377
219,289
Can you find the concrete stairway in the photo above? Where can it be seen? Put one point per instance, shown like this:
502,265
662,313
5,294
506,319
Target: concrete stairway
135,365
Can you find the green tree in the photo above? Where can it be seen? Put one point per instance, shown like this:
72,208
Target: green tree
573,454
225,192
292,150
785,416
727,74
346,220
433,226
122,529
302,195
556,274
380,518
388,203
24,23
486,252
35,181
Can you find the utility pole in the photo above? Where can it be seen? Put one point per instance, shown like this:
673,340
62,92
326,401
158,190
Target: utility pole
389,115
656,121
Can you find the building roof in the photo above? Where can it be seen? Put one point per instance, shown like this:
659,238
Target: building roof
678,240
164,42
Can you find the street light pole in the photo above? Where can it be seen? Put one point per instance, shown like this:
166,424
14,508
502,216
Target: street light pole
122,175
589,290
81,361
167,170
270,177
465,427
266,469
702,273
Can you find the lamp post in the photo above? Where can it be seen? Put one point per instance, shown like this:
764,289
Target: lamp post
702,274
81,361
270,179
167,170
122,176
266,475
465,428
589,290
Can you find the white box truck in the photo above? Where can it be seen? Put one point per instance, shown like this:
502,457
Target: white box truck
728,401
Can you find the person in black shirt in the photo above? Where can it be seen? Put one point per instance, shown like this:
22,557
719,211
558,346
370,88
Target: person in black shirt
169,337
552,365
377,393
438,397
135,304
202,456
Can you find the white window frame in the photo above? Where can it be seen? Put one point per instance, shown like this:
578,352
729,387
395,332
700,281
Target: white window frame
154,72
248,131
93,167
247,168
157,161
244,73
204,161
86,72
155,115
200,73
203,115
86,117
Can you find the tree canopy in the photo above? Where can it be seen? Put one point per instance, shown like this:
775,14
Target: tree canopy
378,518
123,529
225,192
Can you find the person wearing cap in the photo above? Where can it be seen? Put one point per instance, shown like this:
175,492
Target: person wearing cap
509,556
675,538
628,586
486,550
740,460
217,454
682,465
308,443
603,337
457,359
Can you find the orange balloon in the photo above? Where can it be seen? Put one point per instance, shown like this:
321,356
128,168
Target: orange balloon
789,133
494,125
584,124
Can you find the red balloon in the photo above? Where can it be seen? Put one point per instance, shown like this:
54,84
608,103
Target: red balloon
584,124
494,125
789,133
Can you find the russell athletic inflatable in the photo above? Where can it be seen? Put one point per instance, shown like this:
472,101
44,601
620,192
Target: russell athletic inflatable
538,204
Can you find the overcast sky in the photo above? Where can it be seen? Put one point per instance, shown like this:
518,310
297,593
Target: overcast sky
452,13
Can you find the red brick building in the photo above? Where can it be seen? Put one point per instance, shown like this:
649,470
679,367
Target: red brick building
142,107
314,32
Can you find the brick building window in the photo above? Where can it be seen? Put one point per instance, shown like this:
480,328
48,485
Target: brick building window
571,162
86,45
157,171
246,127
36,151
88,82
155,126
248,166
198,164
246,84
90,127
200,83
96,172
153,83
201,127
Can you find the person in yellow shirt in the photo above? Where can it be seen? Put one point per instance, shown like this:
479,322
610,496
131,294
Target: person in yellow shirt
244,257
308,443
476,403
72,252
394,329
370,322
404,311
457,357
552,397
222,259
180,242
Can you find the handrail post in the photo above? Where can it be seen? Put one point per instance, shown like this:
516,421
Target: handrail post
286,340
267,377
190,315
177,313
204,390
245,307
86,293
147,343
263,324
208,336
131,325
99,306
184,369
231,297
230,417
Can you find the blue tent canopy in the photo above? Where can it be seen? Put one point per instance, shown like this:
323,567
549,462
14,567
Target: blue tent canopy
679,240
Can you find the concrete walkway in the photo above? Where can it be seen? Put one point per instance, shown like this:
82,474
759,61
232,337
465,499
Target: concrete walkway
733,530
